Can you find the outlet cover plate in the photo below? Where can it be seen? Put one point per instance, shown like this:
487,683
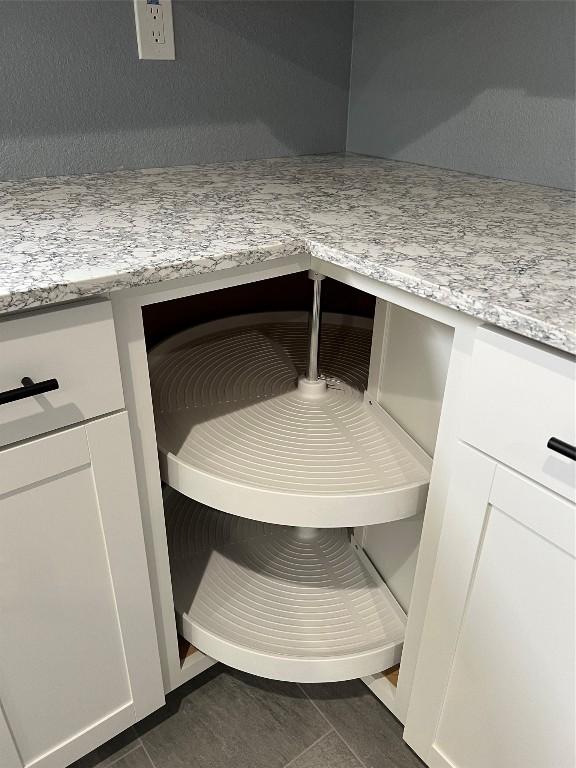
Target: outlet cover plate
154,29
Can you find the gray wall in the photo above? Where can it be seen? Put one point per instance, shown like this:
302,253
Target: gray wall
253,79
486,87
479,86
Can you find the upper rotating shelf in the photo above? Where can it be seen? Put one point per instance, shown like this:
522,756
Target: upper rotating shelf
236,433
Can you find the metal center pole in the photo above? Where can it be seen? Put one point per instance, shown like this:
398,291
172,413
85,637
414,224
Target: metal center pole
307,534
314,328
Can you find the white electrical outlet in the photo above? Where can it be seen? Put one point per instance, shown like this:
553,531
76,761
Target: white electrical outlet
154,29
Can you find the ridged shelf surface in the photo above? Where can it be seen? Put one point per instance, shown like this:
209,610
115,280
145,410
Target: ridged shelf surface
235,432
265,599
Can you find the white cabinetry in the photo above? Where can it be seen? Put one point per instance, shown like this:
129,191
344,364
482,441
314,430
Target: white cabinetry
75,349
78,653
495,678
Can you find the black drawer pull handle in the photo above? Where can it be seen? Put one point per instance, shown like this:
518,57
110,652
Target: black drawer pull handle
28,389
561,447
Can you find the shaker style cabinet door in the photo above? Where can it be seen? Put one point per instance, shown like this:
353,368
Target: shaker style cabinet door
78,654
495,681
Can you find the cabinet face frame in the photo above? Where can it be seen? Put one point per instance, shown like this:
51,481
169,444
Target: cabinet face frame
127,307
482,488
102,446
464,327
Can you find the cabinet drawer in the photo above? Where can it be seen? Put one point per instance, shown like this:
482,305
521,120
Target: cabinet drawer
521,394
74,345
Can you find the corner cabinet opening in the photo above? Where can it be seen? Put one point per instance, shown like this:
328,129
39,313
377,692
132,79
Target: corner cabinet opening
295,422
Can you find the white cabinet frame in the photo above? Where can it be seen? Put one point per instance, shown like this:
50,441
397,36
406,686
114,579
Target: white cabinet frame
99,454
490,507
127,307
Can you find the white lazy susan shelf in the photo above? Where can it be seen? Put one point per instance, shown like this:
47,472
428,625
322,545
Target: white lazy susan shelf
280,602
239,431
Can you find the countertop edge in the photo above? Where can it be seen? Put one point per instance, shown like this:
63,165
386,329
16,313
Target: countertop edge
95,285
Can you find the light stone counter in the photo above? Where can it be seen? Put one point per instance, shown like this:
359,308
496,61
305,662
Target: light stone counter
501,251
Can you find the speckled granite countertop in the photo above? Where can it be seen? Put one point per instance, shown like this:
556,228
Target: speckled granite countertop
500,251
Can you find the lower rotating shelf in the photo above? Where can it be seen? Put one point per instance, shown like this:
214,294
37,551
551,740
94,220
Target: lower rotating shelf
293,604
236,432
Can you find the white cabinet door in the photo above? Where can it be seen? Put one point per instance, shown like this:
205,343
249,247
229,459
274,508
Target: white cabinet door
495,679
78,654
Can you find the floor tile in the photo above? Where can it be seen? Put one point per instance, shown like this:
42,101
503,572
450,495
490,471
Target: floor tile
226,719
109,752
329,752
137,758
364,723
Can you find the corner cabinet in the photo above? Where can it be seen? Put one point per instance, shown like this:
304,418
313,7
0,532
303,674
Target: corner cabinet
78,652
495,678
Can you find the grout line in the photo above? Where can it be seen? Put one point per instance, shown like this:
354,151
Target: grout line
133,748
152,763
349,748
291,762
333,727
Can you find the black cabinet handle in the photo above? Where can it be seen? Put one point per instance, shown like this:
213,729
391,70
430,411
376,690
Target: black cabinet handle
561,447
28,389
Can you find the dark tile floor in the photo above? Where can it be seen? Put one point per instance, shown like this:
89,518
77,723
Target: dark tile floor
227,719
